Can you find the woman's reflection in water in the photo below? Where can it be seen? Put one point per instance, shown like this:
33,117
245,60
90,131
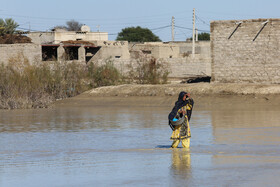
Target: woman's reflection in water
181,164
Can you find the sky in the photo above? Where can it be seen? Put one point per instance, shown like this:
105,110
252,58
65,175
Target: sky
114,15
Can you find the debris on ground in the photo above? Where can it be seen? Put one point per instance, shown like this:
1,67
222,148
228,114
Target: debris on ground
77,42
196,79
14,38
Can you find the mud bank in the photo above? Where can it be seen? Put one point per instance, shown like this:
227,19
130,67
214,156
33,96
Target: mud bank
206,94
196,88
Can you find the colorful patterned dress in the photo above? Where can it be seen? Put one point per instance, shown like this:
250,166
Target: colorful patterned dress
182,132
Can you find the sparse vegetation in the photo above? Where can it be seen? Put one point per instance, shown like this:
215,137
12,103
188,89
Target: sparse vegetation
9,33
103,75
23,85
35,86
148,71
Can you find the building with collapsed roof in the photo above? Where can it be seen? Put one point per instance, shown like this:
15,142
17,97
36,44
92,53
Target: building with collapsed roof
85,47
78,45
59,35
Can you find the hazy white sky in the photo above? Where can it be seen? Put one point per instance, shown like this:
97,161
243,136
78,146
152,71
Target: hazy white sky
114,15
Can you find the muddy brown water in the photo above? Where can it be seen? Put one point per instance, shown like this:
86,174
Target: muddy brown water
85,143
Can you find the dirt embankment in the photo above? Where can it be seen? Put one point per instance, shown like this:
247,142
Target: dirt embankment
204,94
195,89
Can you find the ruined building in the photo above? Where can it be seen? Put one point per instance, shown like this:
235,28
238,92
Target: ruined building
85,47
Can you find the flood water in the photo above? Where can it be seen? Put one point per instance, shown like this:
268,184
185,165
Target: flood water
130,146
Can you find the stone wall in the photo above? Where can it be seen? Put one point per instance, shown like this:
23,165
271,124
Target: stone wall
179,68
12,52
246,51
170,49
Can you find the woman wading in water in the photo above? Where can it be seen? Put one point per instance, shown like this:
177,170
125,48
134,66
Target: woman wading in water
179,119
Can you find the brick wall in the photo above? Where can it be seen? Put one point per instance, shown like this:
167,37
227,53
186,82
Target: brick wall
240,59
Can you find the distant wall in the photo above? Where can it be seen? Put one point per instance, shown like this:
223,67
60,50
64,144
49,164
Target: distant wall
201,47
30,51
179,68
237,58
111,49
156,49
85,36
57,37
189,67
170,49
41,38
180,65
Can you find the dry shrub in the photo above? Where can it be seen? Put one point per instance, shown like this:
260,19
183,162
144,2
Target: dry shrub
148,71
23,85
103,75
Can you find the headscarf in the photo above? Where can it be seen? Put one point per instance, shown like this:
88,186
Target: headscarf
178,104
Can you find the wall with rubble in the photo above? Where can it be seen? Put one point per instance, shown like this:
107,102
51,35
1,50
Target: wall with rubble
246,51
17,52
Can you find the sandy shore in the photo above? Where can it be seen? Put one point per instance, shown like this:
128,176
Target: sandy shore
204,94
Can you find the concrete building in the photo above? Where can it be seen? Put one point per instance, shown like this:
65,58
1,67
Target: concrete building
67,45
173,56
59,35
86,47
246,51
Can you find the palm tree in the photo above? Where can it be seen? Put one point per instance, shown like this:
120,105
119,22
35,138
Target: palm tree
8,26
